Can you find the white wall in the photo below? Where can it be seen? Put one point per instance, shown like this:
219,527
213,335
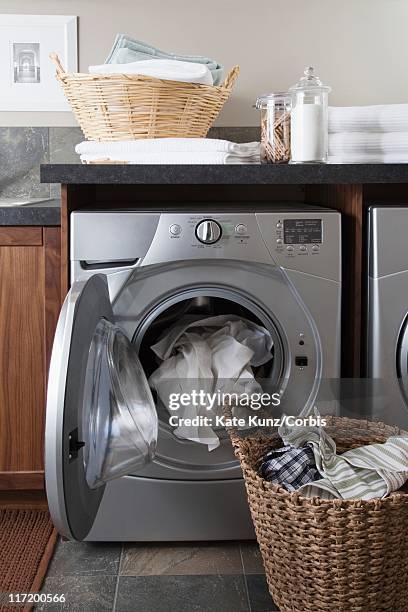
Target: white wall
360,47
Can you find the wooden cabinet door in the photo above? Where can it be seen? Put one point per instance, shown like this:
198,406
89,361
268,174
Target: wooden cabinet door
30,299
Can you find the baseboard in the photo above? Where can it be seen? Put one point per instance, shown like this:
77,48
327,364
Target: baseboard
30,500
20,481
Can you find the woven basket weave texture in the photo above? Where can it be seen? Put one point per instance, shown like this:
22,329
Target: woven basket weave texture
126,107
329,555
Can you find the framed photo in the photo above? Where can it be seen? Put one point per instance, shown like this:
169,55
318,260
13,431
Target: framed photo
27,75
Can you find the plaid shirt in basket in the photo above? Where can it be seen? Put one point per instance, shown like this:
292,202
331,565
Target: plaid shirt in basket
290,467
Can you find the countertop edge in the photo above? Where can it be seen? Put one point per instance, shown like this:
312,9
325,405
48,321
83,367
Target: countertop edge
256,174
47,214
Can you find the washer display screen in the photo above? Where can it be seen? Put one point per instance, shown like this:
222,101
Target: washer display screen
302,231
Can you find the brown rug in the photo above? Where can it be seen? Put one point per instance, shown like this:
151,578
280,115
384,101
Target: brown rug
27,541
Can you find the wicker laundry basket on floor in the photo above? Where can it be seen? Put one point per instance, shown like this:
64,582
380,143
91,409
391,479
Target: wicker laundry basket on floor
128,106
329,555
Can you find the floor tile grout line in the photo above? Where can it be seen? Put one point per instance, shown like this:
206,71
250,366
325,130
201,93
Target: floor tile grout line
122,549
242,558
115,597
244,577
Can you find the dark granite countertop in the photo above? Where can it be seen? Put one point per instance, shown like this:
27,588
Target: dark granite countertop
47,212
247,174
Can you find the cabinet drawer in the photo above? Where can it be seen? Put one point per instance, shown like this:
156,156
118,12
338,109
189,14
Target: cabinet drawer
21,236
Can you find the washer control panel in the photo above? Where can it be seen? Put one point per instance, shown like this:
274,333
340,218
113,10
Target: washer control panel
222,235
289,236
218,232
299,236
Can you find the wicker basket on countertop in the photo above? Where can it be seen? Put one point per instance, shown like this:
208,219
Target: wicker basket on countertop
329,555
128,106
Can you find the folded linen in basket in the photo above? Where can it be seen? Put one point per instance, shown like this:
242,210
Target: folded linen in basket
366,472
169,70
375,118
126,50
395,143
209,355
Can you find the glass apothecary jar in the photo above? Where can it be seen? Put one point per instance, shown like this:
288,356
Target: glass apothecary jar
275,127
309,119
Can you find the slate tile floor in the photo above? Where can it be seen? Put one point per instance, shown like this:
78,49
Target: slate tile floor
197,577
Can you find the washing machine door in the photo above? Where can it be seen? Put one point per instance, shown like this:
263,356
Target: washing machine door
101,420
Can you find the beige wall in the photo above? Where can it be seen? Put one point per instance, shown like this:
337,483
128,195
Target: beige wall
360,47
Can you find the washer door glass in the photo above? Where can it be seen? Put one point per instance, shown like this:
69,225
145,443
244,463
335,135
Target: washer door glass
119,422
101,420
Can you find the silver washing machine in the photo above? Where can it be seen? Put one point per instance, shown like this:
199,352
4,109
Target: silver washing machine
387,307
279,265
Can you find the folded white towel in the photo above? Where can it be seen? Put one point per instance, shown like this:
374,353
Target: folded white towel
378,118
169,151
166,69
172,157
364,158
166,145
378,143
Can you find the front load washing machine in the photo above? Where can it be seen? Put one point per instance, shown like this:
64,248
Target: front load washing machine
278,265
387,307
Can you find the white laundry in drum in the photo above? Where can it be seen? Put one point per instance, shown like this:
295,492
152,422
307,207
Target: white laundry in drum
214,354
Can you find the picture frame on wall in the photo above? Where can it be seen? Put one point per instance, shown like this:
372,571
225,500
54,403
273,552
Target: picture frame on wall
27,75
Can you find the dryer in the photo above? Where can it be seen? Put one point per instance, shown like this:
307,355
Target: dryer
279,265
387,309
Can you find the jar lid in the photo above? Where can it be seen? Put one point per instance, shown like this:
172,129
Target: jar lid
309,80
280,97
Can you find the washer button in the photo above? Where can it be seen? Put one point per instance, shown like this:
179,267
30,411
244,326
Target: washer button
290,249
175,229
303,248
315,248
279,225
279,241
301,361
241,229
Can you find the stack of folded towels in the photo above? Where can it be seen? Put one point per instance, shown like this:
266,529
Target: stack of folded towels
169,151
368,134
131,56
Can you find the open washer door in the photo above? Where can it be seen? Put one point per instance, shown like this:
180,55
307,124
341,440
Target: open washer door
101,419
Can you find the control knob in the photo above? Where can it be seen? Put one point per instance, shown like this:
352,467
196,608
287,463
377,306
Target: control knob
208,231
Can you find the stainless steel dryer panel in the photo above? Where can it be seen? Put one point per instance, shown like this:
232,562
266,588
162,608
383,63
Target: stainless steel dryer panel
387,309
388,240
